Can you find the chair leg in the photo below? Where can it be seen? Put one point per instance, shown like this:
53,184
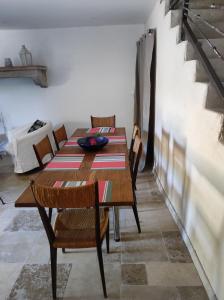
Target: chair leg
50,214
108,237
100,259
134,207
63,250
54,271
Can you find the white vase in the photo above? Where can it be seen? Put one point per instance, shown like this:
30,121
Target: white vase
25,56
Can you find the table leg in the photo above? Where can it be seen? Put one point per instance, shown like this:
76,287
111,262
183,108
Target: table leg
116,224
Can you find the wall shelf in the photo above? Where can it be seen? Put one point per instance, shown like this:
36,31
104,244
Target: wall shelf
36,72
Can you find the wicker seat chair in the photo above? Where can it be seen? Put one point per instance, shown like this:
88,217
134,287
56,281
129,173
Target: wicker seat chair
136,131
60,136
134,163
103,121
42,150
81,223
44,153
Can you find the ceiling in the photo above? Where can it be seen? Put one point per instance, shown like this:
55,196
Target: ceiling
70,13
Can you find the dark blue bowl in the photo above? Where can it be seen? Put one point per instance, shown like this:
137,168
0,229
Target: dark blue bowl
92,143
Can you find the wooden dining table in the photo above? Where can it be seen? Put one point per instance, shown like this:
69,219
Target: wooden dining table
121,181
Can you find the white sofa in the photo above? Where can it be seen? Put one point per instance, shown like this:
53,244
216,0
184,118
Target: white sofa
20,145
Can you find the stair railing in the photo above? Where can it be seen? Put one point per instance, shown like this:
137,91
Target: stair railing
189,18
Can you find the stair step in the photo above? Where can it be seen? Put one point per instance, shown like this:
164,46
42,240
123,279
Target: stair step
213,101
176,17
218,65
209,33
213,16
210,15
204,3
219,43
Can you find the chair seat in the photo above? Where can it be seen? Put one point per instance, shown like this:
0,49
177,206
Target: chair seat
75,228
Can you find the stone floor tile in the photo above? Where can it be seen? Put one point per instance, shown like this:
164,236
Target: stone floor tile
26,220
115,251
10,255
40,252
26,237
9,274
34,282
192,293
7,215
172,274
144,204
78,255
133,274
148,223
177,250
157,219
166,222
85,281
149,293
16,246
142,247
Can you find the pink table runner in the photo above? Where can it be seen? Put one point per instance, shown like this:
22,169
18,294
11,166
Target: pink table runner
104,186
109,161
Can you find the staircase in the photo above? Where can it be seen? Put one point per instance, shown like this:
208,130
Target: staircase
188,110
215,17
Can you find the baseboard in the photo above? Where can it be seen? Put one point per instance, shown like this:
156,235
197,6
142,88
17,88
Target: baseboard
194,256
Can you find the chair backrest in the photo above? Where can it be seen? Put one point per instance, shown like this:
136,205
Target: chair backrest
84,196
135,158
42,149
103,121
136,131
60,135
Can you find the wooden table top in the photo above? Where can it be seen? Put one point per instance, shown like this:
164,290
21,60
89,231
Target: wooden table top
122,193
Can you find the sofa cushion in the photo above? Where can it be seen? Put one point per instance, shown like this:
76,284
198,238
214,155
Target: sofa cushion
36,125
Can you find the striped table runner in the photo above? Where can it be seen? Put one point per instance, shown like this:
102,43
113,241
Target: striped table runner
109,161
117,139
105,188
65,162
72,142
101,130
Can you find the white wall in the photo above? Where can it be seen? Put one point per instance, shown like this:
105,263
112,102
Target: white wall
90,71
189,158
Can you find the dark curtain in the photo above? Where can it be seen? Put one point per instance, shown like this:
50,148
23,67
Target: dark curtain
144,109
